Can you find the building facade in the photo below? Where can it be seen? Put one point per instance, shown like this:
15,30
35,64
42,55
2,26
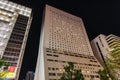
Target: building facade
15,21
105,47
63,39
100,48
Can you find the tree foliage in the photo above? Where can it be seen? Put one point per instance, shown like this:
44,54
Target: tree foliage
71,73
112,64
105,75
4,70
2,62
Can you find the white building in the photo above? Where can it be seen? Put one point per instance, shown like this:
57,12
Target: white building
15,21
63,39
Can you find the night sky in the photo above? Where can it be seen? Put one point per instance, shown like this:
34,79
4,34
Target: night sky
99,17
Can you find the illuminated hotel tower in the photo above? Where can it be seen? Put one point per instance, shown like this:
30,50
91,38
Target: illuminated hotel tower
15,22
107,47
64,39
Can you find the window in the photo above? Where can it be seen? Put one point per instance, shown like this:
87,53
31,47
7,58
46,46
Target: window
52,74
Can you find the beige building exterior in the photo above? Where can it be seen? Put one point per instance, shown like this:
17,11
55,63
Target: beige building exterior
104,46
63,39
100,48
15,21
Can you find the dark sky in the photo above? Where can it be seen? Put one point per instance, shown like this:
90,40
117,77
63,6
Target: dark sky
98,16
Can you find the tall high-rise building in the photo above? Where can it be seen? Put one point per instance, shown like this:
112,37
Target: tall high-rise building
105,47
63,39
15,21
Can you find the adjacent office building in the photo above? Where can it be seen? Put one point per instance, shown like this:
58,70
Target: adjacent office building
64,39
100,48
105,47
15,21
